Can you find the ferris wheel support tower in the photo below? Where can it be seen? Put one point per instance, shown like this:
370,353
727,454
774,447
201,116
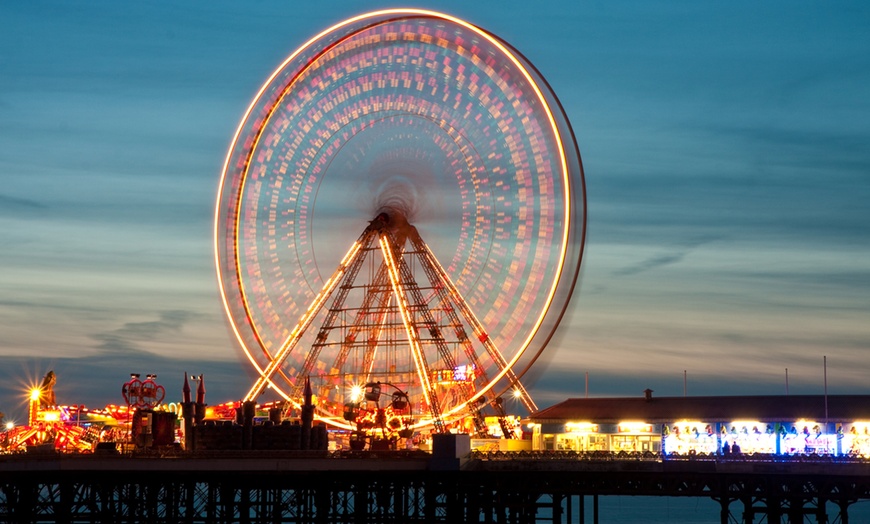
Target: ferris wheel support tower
417,317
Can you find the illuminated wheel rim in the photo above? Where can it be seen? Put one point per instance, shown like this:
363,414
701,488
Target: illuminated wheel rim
415,107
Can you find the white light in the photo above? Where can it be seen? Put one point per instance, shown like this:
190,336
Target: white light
356,393
9,426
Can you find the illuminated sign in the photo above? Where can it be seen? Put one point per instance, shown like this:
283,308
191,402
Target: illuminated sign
464,373
634,427
581,427
52,415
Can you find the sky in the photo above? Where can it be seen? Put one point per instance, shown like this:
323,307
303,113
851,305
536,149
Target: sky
725,147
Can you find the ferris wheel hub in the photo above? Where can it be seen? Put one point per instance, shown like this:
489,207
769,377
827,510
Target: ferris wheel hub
391,218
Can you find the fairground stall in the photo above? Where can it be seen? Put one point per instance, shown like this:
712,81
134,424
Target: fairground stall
782,425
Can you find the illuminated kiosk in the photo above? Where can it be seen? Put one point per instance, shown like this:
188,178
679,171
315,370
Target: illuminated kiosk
781,425
384,130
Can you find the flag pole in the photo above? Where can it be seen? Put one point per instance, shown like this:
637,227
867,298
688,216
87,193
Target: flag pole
825,364
587,384
685,385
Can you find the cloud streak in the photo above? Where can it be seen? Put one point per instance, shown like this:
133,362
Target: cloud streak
677,255
11,205
131,337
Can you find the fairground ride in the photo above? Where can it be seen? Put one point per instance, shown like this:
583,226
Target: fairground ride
442,158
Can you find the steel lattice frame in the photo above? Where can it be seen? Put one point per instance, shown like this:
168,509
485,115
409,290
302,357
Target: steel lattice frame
404,292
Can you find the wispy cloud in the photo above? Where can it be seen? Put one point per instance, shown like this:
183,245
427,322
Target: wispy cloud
131,337
10,204
651,263
675,256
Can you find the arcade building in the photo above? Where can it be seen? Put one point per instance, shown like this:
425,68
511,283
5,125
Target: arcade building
833,425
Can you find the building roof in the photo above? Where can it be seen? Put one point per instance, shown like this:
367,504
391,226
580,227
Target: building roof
667,409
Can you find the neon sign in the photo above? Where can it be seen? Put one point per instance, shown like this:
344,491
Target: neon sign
462,373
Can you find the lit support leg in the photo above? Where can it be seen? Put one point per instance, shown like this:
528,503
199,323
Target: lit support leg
378,294
374,336
480,374
349,276
422,366
437,338
479,331
266,375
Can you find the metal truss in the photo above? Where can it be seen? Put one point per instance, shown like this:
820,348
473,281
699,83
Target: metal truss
428,310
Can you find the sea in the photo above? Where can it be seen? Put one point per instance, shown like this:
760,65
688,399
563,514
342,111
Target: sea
687,510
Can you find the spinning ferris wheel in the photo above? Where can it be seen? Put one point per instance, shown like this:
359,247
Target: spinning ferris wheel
402,203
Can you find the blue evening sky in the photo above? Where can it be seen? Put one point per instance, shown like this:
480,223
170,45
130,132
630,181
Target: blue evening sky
726,148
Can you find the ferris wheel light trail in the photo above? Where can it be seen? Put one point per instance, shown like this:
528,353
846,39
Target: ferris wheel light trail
421,120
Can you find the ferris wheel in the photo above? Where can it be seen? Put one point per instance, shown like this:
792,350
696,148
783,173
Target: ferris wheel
403,202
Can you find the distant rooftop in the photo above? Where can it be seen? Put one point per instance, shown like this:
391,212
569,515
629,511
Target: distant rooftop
666,409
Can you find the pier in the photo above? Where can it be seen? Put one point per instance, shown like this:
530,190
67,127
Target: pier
410,487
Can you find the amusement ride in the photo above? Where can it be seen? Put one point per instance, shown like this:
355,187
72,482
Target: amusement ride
402,206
